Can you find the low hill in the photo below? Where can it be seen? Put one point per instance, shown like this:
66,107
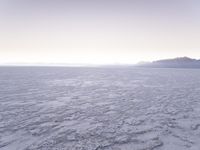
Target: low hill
180,62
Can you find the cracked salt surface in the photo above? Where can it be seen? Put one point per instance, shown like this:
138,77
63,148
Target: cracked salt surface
99,109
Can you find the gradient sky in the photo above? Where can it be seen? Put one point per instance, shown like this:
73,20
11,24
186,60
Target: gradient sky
98,31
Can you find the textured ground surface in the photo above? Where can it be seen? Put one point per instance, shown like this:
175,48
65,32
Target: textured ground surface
99,109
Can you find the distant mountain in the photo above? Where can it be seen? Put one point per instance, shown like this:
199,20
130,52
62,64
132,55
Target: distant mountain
180,62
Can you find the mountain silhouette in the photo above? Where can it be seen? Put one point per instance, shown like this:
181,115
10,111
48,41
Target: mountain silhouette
180,62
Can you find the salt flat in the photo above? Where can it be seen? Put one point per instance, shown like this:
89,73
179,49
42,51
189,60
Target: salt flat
57,108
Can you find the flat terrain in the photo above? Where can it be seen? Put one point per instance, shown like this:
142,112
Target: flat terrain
49,108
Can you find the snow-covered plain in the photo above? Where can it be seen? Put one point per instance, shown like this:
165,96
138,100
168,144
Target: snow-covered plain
49,108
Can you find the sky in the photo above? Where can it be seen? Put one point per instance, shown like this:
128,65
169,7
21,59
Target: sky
98,31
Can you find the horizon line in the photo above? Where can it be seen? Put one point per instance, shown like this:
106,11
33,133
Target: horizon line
49,64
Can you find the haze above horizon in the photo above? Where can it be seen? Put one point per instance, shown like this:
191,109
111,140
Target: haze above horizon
98,32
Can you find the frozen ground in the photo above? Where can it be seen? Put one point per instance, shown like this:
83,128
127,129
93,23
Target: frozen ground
99,109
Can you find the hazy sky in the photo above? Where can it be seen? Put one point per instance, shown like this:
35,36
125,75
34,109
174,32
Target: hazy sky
98,31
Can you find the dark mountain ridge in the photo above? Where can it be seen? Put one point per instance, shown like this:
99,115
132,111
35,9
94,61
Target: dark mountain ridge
180,62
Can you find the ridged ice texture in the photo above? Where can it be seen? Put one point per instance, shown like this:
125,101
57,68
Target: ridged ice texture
99,109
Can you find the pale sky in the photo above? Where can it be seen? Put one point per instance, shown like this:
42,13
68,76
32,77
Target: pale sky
98,31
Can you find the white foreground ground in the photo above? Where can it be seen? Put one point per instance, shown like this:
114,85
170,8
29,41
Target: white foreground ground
99,109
